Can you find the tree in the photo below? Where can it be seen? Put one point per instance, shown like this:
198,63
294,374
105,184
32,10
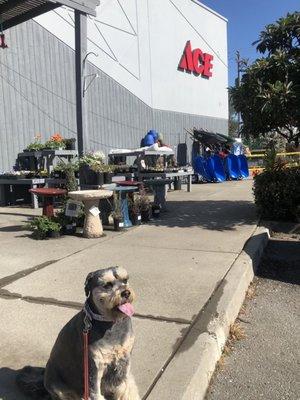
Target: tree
268,96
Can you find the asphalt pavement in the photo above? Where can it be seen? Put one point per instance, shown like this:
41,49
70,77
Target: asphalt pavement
265,365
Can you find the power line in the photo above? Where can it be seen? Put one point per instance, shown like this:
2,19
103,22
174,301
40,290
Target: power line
37,107
38,84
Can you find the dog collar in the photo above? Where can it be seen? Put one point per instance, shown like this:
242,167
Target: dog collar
90,315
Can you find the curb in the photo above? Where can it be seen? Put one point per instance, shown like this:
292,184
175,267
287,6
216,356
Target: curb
188,374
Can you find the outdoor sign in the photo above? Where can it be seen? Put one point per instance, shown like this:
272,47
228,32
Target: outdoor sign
196,61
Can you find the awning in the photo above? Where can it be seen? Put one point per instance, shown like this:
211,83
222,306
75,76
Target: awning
14,12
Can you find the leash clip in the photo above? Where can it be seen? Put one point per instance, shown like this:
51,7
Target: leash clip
87,324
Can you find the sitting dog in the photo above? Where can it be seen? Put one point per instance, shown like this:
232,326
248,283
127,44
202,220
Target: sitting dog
106,317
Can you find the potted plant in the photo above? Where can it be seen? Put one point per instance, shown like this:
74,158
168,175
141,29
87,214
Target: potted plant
56,142
91,165
143,202
108,171
36,145
98,168
117,214
68,224
70,143
67,171
134,211
44,227
58,172
155,210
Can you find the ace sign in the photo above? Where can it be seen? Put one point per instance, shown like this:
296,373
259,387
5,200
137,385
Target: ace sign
196,61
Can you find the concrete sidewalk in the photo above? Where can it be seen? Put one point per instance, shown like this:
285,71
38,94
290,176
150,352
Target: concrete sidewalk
175,264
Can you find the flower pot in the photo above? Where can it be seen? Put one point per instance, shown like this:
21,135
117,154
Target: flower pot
70,229
108,177
88,176
59,175
54,234
136,219
70,144
118,224
99,178
155,211
145,214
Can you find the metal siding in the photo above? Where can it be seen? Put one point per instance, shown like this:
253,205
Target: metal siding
37,83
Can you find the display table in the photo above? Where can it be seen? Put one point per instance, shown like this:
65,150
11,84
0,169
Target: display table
159,189
92,223
48,194
44,159
32,183
170,175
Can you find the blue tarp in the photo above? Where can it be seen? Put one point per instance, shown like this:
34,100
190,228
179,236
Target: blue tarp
219,171
200,168
243,164
232,167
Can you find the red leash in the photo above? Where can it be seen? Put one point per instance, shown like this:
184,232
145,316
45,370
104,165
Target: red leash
86,389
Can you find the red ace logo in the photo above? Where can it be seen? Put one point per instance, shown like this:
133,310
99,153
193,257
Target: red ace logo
196,61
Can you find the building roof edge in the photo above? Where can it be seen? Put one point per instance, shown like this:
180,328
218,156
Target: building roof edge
210,10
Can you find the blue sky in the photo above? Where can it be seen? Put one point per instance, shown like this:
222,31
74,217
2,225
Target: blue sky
246,19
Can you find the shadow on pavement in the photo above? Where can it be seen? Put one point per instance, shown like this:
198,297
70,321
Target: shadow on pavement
8,386
13,228
216,215
281,261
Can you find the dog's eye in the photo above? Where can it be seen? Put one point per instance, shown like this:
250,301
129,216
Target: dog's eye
108,285
125,281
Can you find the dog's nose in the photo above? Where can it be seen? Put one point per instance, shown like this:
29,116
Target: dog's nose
125,294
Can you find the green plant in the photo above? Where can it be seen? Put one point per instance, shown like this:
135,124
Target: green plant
42,226
97,166
143,201
272,162
91,157
277,193
69,168
54,145
134,205
117,211
36,145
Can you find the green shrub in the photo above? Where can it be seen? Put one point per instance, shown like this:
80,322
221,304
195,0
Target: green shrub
42,226
277,194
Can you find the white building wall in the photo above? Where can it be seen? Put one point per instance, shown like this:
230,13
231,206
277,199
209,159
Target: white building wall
172,24
140,42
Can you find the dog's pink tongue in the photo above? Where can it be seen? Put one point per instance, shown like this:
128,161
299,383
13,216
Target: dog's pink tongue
126,309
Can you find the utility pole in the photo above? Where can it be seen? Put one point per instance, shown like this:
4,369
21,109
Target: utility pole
241,65
238,62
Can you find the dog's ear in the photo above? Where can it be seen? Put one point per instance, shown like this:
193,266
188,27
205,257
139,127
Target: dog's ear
87,284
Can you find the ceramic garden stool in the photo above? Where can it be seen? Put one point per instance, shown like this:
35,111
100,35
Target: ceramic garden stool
92,223
48,194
